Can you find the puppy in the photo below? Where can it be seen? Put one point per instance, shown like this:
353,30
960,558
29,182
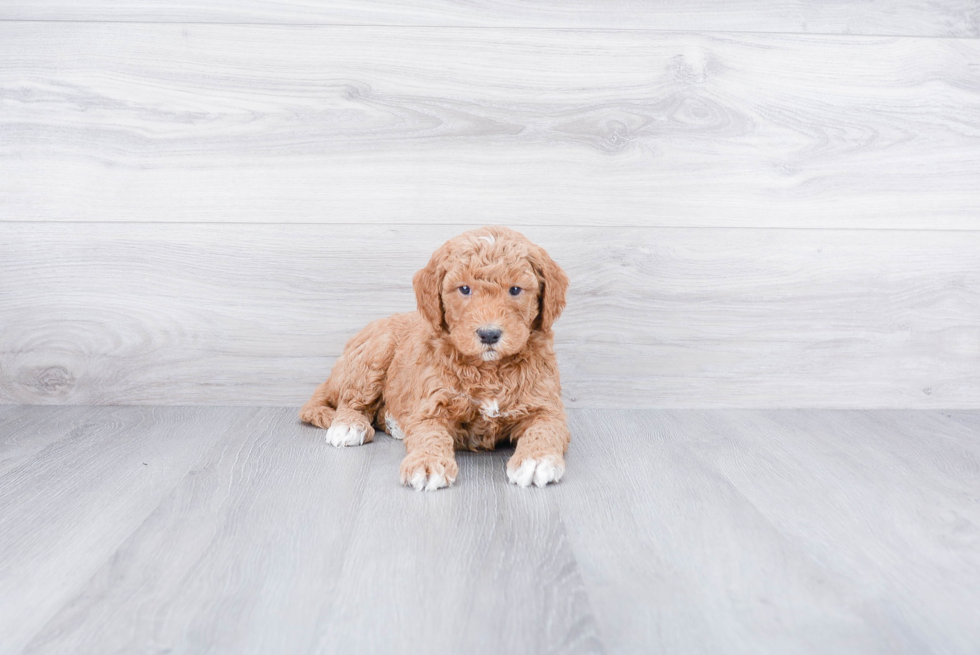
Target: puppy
475,365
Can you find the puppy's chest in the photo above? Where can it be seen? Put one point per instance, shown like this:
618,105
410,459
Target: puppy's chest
487,421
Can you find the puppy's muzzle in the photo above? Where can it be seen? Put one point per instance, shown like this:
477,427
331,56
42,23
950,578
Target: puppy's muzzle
489,335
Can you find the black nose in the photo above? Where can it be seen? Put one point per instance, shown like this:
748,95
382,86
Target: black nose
489,336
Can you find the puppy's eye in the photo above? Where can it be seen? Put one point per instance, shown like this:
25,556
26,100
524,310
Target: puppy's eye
465,290
515,291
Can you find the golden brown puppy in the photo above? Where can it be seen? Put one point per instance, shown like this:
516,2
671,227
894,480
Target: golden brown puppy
473,366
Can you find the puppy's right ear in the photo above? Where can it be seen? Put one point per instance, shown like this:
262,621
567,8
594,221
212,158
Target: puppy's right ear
428,290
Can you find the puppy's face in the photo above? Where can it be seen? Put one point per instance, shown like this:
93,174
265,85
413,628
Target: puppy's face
488,290
489,307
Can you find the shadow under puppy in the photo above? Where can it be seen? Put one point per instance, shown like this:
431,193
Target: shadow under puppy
473,366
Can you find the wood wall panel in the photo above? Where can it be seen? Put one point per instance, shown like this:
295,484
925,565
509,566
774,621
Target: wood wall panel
957,18
269,124
255,314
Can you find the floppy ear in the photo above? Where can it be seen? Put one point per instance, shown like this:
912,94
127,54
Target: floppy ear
554,283
428,289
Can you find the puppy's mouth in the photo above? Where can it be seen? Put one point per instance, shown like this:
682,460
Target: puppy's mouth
489,354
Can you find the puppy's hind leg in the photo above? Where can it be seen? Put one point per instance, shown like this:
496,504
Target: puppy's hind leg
318,410
345,425
350,398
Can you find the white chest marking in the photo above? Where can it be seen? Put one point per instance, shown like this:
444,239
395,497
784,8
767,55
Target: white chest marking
391,427
490,409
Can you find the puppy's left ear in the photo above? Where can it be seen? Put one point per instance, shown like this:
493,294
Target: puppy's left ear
554,284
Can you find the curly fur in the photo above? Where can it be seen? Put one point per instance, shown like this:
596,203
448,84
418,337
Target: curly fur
428,377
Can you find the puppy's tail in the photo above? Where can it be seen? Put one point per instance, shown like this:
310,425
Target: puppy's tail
318,415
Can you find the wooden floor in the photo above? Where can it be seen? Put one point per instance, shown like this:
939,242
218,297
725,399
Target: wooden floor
205,529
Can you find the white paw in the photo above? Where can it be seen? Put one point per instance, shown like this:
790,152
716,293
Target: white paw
426,472
392,428
422,482
539,471
345,435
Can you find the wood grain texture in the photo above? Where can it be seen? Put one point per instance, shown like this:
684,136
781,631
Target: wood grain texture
721,531
66,510
219,123
777,531
959,18
489,564
20,436
236,314
276,542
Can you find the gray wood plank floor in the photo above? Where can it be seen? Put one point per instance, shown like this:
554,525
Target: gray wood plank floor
133,529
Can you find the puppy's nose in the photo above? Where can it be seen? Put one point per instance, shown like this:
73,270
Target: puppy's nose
489,335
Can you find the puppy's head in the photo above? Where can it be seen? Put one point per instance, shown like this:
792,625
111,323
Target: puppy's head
488,289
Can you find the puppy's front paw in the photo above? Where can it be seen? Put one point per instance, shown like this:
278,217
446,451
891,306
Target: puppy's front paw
540,471
341,434
428,472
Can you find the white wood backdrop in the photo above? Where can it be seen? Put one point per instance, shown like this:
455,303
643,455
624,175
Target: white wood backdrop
246,314
218,123
202,213
957,18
